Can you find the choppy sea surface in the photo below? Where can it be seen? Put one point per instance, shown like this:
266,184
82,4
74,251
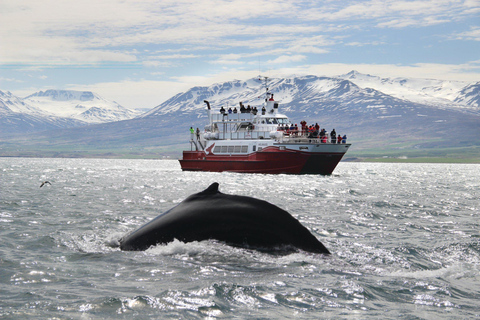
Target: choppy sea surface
404,240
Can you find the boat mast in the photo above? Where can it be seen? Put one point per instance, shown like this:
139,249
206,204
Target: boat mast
269,103
267,93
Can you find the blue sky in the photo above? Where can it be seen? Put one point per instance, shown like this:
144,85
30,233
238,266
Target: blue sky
140,53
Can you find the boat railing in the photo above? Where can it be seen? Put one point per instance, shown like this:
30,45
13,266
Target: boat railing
244,135
232,117
282,138
307,140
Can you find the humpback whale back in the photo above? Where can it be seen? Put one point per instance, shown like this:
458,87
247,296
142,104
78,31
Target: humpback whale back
236,220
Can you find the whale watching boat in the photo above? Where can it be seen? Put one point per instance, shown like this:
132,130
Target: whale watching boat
261,140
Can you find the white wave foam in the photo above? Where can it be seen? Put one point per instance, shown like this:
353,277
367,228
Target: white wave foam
455,271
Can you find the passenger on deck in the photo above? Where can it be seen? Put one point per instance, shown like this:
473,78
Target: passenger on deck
333,136
198,134
242,109
230,110
192,133
222,110
263,110
339,139
304,127
344,139
235,110
311,131
254,110
249,110
324,138
271,98
322,133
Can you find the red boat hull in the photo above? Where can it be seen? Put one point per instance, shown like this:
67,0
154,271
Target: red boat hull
270,160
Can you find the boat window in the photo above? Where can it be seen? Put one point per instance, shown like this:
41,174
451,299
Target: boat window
271,121
230,149
216,149
254,148
224,149
237,149
244,149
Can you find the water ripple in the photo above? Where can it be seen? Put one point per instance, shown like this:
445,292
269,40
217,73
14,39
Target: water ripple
404,242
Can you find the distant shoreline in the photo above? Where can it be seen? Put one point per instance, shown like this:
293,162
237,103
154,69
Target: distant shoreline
146,156
414,160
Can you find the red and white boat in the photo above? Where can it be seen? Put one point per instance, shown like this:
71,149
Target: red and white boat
256,141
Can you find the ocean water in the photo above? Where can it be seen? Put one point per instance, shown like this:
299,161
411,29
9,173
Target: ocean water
404,240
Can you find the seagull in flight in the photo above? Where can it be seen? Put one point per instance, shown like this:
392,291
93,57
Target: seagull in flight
44,183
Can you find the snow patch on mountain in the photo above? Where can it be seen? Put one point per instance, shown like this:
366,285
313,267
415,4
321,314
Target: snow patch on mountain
470,95
17,116
306,94
442,93
81,105
10,103
219,94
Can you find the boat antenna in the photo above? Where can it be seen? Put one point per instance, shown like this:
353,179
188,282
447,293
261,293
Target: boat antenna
265,79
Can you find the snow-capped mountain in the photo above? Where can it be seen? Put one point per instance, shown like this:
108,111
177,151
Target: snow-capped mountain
80,105
302,93
57,109
17,116
312,95
371,118
366,113
470,95
220,94
433,92
10,103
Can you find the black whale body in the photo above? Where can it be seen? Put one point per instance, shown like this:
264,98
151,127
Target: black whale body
236,220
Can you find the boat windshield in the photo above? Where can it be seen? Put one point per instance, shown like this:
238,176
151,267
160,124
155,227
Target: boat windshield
275,121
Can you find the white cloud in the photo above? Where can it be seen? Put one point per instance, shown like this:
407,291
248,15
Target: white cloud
91,31
287,59
468,72
157,36
2,79
135,94
473,34
362,44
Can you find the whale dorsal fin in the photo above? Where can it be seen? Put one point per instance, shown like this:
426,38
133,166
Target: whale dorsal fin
212,189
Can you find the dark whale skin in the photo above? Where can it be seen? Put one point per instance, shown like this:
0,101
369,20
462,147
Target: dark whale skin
236,220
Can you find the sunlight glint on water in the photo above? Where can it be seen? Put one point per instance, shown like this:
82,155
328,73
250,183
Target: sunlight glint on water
404,239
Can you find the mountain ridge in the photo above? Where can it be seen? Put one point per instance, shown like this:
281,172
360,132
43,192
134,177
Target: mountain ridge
372,119
85,106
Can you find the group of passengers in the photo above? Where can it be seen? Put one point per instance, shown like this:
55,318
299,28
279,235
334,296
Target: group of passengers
243,109
312,131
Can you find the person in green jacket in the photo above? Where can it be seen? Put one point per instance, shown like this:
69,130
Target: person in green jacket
192,132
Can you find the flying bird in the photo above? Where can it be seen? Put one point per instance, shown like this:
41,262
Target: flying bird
44,183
